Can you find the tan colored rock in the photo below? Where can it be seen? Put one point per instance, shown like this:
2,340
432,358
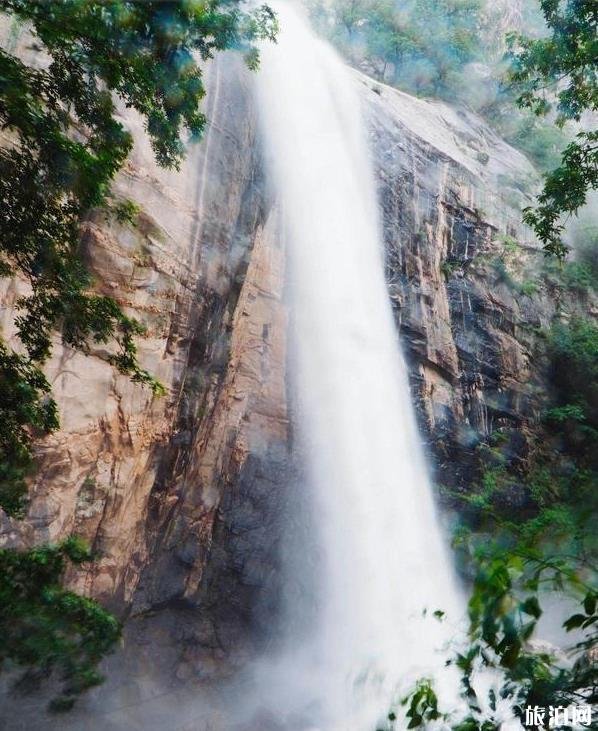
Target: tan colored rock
178,271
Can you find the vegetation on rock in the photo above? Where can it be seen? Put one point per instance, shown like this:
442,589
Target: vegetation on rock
453,50
47,629
64,145
26,409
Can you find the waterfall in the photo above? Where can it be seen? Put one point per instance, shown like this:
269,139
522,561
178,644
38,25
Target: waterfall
382,563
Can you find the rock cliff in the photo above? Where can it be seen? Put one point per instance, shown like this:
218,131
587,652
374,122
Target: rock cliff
183,496
451,193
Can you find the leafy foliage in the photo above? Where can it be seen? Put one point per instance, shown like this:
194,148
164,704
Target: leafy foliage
423,44
422,704
513,576
573,349
565,192
504,610
25,406
560,72
46,628
537,137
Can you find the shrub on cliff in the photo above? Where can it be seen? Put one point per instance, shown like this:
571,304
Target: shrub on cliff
47,629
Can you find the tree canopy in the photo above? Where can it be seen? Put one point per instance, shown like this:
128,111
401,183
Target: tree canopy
419,45
559,74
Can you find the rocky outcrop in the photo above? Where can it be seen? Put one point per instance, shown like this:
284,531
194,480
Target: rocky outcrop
181,496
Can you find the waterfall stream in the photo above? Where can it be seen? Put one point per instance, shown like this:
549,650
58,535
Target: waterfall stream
382,558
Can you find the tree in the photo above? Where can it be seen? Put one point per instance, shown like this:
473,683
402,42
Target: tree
426,42
450,33
349,15
26,410
64,146
388,37
560,73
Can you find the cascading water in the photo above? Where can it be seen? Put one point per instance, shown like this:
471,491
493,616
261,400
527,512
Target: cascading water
383,561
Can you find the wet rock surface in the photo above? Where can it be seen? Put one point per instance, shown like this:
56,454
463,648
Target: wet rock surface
451,193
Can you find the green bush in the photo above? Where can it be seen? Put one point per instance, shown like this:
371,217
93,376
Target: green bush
46,629
26,409
573,350
578,276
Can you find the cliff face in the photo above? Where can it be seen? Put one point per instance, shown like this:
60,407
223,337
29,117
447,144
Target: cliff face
147,480
182,496
457,254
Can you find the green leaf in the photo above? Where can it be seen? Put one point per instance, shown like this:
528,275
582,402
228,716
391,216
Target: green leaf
576,620
589,603
532,607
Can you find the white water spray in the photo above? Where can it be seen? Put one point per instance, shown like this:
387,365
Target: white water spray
383,559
